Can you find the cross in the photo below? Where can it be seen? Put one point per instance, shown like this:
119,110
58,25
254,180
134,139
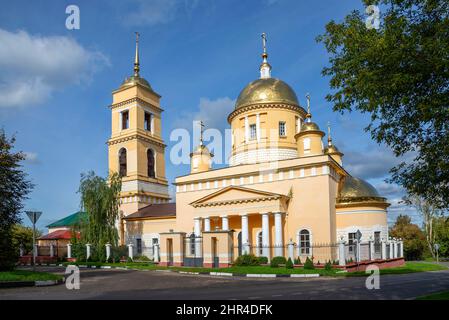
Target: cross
264,42
329,128
308,102
137,36
201,132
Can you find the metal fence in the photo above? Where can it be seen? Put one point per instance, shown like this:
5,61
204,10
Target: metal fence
193,251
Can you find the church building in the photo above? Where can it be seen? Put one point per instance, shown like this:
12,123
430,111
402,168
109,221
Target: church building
284,192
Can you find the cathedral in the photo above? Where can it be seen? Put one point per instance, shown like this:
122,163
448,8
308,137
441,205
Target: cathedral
284,192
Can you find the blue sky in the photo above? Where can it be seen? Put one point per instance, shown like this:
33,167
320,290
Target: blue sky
55,83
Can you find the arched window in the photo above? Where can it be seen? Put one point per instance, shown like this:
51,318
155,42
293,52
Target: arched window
150,162
304,242
122,162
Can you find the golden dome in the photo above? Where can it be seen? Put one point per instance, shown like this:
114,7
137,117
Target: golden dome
133,80
355,189
331,149
309,126
269,90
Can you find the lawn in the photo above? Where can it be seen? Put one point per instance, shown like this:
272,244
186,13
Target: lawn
23,275
436,296
409,267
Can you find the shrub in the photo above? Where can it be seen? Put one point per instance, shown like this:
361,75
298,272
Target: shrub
141,258
129,259
247,260
289,264
308,264
328,266
262,260
298,260
276,261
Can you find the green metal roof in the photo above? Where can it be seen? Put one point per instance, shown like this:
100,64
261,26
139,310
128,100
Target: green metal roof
69,221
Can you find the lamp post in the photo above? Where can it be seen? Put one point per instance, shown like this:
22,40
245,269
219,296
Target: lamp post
34,216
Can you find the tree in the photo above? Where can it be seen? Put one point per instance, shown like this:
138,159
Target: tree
413,237
441,232
429,213
23,236
100,199
399,74
14,188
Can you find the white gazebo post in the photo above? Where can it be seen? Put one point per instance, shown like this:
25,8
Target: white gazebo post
391,248
341,253
401,249
69,250
371,248
266,235
291,250
278,249
384,249
52,250
395,248
156,253
224,223
130,251
108,251
245,234
87,251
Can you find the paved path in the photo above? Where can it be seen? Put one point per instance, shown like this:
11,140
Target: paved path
126,284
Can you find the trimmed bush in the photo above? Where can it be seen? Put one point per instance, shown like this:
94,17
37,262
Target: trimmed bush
298,260
289,264
247,260
262,260
328,266
276,261
309,264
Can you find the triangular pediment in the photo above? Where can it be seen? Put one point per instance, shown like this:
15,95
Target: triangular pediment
234,193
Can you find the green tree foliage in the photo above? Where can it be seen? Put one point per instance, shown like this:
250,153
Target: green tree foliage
14,188
413,237
100,199
22,235
289,264
399,74
308,265
441,230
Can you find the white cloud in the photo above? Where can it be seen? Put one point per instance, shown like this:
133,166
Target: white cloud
31,157
32,67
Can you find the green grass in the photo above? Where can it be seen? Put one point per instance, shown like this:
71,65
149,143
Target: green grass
409,267
436,296
23,275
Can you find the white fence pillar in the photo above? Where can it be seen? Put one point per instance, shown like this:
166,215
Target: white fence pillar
52,250
156,253
401,249
130,251
69,250
341,253
391,248
291,250
87,251
21,250
371,250
359,254
108,251
384,250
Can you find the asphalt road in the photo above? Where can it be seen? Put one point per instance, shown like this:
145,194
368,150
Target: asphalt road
128,284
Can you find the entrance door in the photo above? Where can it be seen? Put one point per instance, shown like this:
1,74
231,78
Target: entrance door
215,257
170,251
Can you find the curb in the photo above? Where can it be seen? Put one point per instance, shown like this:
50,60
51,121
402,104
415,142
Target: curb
216,274
40,283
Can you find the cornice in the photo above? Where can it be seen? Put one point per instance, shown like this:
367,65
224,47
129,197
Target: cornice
135,99
236,201
135,136
241,110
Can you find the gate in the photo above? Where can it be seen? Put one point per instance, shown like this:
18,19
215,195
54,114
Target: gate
193,251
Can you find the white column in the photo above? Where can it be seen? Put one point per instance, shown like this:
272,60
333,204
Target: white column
130,251
384,249
341,253
87,251
156,252
395,248
278,251
401,249
266,235
371,250
52,250
197,226
291,253
108,251
69,250
245,234
224,223
206,224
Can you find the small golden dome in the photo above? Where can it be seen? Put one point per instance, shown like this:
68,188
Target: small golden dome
201,149
269,90
331,149
355,189
133,80
309,126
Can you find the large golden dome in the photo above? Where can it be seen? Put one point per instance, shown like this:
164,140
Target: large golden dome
269,90
355,189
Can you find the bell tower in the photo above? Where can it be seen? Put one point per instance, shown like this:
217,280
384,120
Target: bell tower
136,149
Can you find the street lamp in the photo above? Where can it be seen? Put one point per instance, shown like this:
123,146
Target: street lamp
34,216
